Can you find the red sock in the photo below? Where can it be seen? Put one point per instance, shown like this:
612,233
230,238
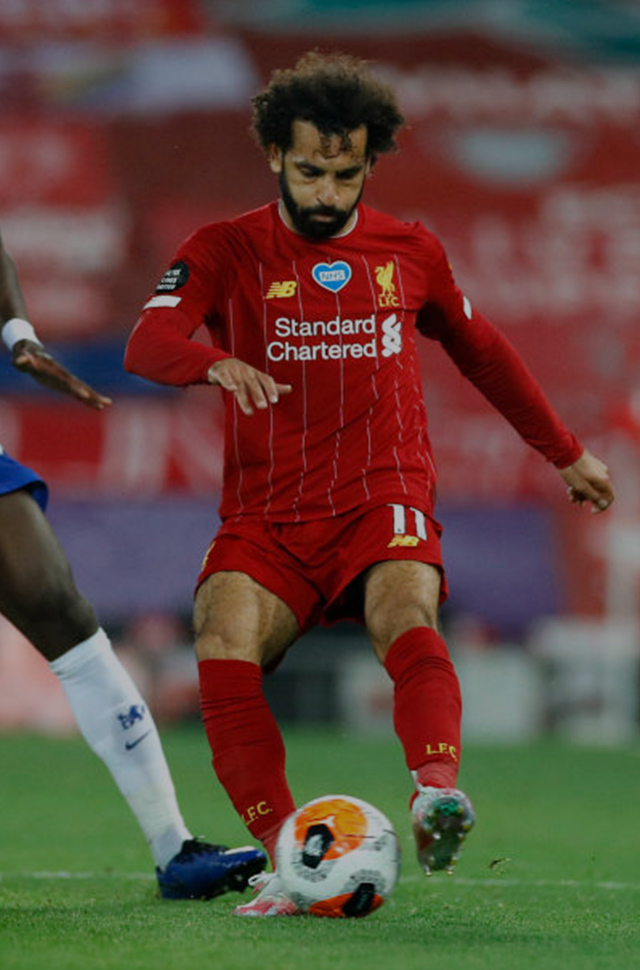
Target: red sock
247,747
427,705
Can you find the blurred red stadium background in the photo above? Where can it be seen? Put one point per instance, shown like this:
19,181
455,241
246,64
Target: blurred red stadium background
125,126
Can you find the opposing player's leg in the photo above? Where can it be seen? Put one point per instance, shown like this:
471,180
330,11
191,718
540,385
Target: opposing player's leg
39,596
242,627
37,591
401,614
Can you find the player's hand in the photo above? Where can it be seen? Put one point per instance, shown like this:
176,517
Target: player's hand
252,388
33,359
588,481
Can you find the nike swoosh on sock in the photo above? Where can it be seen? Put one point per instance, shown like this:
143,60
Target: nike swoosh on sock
132,744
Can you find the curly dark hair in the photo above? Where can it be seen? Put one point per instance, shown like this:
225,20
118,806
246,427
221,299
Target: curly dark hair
337,93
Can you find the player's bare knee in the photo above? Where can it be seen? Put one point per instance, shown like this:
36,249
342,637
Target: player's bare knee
386,621
215,646
217,639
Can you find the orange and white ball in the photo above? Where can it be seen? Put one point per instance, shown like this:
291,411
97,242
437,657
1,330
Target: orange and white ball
338,856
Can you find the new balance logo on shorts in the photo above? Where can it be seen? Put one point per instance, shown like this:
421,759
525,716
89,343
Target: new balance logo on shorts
409,526
407,542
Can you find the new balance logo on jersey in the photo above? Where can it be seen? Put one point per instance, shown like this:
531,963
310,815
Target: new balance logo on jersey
278,291
391,336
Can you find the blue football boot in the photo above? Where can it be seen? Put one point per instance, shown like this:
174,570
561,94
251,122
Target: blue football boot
201,870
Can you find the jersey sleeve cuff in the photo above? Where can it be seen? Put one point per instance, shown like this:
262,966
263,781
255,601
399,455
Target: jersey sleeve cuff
213,357
573,451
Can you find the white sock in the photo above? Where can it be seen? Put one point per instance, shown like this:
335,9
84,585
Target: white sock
118,726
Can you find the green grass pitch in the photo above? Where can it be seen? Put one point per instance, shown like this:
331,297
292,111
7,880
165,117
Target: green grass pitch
549,878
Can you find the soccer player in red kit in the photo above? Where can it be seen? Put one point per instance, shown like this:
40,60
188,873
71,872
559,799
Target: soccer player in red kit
314,304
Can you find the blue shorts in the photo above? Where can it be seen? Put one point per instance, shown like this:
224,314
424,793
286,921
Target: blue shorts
14,476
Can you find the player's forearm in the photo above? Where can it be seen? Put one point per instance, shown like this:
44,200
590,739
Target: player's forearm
15,328
160,350
11,299
492,364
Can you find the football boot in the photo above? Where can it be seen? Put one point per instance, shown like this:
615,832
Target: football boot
441,818
202,871
270,898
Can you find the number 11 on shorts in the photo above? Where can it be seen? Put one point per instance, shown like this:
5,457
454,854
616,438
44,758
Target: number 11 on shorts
405,517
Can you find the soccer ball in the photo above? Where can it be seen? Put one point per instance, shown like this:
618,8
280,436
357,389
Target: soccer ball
338,856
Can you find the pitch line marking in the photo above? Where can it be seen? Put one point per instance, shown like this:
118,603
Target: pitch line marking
435,881
61,874
537,883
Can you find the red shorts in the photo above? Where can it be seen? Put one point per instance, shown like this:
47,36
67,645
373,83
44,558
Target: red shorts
314,566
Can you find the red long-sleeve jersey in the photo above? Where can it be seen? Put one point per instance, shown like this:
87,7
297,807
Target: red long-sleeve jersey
338,320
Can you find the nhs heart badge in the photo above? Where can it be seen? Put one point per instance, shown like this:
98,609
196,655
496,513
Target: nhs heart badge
332,276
